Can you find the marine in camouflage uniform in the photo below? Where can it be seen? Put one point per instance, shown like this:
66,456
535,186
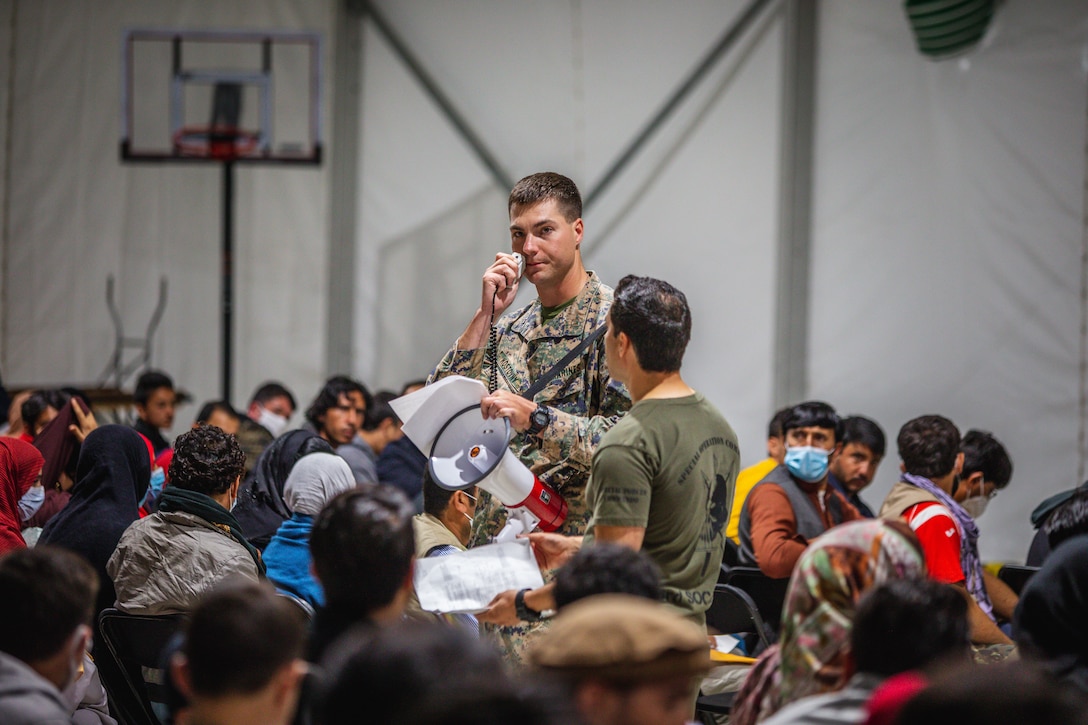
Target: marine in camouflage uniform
584,404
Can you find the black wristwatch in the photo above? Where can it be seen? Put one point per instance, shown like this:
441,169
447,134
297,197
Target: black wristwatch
539,419
524,613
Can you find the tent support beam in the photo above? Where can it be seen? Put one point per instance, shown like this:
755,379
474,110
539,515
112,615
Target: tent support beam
344,188
401,49
790,377
729,38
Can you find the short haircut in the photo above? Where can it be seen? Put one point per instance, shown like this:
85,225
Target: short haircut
862,430
270,390
906,624
982,452
32,409
1068,519
928,446
607,569
399,670
379,409
206,460
777,427
239,636
47,593
656,318
546,185
813,413
1004,692
362,546
148,383
212,406
329,397
437,499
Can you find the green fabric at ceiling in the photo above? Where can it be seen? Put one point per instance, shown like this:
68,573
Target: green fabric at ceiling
943,28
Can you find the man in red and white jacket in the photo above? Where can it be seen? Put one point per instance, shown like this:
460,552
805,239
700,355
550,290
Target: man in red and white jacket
925,498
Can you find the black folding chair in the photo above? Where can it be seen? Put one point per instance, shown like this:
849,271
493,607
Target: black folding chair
768,594
731,612
135,644
1016,576
734,612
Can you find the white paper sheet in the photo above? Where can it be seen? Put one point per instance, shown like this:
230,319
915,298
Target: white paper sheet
425,411
468,581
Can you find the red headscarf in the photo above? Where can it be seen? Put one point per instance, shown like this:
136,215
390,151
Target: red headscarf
20,464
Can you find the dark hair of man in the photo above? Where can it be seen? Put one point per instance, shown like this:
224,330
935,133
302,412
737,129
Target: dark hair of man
866,432
379,409
362,546
906,624
435,498
329,397
777,427
206,460
32,409
607,569
536,188
271,390
1067,520
239,636
928,446
982,452
656,318
398,670
1005,692
419,383
813,413
529,702
212,406
47,593
148,383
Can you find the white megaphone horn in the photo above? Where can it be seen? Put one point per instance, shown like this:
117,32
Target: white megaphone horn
470,450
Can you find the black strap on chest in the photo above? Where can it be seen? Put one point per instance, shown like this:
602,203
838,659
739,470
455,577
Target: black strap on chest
543,380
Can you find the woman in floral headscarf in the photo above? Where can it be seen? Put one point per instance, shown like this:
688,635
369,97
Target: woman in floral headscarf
813,652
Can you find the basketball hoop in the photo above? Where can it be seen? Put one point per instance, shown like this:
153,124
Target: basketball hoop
223,143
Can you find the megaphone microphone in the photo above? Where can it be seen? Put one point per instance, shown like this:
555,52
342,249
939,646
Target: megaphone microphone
471,450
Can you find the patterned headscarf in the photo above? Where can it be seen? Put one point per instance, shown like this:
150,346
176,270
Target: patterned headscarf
830,577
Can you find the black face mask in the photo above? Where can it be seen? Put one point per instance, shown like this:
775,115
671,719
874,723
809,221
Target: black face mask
955,484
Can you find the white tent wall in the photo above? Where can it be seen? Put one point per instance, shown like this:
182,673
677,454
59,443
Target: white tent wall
947,239
77,215
947,232
565,87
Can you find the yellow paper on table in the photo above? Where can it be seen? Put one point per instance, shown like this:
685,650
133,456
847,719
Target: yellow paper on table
731,659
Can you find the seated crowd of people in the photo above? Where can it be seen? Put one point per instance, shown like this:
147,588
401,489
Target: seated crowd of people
286,560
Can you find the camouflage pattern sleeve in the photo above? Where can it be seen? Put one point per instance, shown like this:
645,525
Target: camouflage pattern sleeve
469,363
573,438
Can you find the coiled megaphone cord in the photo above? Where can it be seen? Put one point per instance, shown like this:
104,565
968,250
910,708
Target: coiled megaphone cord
493,346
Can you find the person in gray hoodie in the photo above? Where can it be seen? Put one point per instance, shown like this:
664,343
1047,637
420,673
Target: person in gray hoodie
47,597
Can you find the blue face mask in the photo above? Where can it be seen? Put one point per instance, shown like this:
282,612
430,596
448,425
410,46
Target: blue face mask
158,478
807,462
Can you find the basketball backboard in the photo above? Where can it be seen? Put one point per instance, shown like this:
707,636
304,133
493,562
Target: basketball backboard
214,95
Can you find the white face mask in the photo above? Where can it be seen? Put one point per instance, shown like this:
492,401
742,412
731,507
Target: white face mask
273,422
976,505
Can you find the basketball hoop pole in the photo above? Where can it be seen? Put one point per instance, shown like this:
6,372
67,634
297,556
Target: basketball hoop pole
227,269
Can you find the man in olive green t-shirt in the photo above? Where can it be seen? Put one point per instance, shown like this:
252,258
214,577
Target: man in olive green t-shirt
663,477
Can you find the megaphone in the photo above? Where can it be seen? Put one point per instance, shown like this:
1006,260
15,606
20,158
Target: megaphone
470,450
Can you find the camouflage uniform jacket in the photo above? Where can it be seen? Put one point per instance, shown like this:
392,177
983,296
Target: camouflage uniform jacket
585,403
